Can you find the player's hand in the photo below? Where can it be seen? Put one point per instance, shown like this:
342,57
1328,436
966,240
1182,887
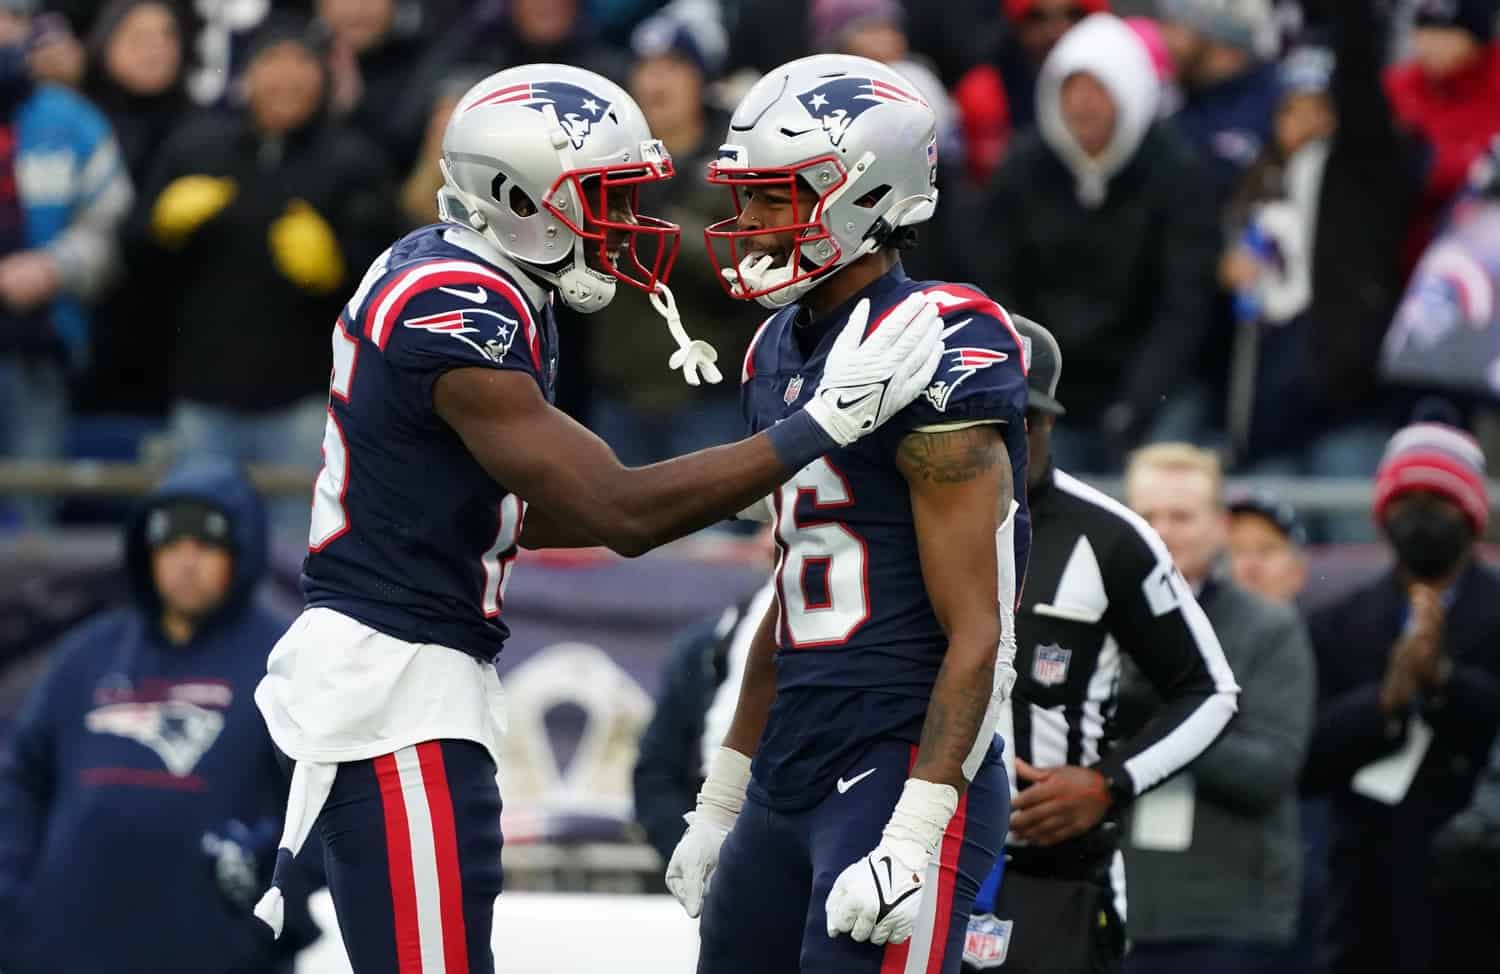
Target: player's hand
186,204
694,860
878,897
1061,804
867,380
697,854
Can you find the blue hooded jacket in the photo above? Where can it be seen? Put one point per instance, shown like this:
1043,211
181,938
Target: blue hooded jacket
127,754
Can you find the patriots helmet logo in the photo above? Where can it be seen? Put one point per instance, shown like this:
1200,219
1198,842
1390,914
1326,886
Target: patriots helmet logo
836,103
959,364
577,108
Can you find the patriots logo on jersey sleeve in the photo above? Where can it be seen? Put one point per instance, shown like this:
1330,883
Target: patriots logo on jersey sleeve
958,365
463,322
838,102
577,108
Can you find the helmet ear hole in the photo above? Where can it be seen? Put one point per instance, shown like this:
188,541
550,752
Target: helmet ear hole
872,199
521,204
495,185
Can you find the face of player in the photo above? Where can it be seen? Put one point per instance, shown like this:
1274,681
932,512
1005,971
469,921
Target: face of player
191,578
1181,505
359,23
619,209
1264,560
286,87
144,53
769,207
1089,112
1044,24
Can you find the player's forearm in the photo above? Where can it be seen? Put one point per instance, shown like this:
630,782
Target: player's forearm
757,688
955,714
665,501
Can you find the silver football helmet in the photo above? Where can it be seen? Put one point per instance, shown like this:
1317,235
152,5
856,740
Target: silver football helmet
545,161
852,132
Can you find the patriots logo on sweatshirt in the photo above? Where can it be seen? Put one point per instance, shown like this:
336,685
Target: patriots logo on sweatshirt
178,731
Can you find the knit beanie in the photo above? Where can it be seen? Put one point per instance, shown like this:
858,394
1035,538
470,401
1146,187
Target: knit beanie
1249,25
1438,458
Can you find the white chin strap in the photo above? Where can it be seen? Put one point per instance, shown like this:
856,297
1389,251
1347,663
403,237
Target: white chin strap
694,357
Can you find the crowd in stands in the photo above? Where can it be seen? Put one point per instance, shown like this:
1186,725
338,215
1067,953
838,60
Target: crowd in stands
1216,206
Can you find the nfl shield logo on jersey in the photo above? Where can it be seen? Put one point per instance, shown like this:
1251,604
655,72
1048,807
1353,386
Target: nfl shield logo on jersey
1049,665
793,390
987,941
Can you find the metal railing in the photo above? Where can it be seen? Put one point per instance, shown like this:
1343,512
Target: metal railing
87,478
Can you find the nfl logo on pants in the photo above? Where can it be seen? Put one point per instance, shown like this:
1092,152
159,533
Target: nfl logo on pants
1049,665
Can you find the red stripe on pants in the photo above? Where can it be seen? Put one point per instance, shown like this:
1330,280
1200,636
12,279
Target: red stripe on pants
398,853
953,843
445,843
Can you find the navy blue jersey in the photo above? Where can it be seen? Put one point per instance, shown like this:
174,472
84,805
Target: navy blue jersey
860,646
409,534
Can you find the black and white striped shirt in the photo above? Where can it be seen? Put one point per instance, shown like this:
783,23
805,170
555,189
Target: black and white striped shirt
1100,583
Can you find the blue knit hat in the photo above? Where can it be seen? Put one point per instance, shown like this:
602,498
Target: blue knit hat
668,34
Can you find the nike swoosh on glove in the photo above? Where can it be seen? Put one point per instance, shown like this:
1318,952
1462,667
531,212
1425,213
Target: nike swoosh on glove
878,897
697,853
869,379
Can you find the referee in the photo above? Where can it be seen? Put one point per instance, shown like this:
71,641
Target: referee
1100,583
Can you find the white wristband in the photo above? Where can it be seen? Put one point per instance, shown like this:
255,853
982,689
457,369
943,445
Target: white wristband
723,792
920,818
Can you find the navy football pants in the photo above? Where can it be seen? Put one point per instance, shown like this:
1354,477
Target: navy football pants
764,913
411,845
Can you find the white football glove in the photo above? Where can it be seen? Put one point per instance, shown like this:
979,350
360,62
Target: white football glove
697,853
866,381
879,896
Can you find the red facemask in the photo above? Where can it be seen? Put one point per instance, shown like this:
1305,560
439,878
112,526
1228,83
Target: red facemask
724,239
637,249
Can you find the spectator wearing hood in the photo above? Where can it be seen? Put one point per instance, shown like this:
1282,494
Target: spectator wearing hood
135,75
266,217
1448,93
996,97
63,193
1099,224
1224,51
140,785
1409,679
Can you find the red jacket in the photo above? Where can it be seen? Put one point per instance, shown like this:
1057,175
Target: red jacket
1457,116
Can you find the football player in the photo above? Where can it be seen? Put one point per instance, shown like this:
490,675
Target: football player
444,454
857,802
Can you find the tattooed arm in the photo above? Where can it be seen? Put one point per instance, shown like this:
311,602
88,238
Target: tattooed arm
959,481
